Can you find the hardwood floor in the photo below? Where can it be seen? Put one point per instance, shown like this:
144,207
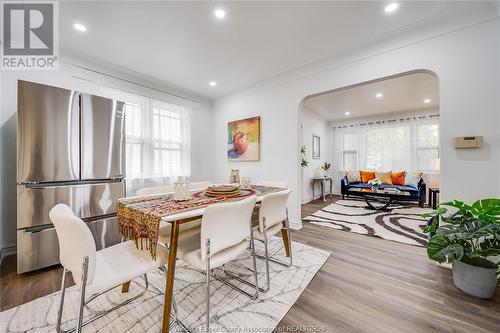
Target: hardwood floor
367,285
374,285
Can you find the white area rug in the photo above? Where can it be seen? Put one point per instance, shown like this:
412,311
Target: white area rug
402,224
230,310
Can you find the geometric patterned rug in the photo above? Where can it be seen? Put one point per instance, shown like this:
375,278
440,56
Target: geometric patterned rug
402,224
230,310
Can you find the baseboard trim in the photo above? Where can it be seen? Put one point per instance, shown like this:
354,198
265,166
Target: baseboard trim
7,251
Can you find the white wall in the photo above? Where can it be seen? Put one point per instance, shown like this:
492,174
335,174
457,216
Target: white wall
75,77
313,123
466,62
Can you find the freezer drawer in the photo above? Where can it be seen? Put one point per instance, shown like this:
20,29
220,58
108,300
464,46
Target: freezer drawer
87,200
48,121
40,249
102,126
36,249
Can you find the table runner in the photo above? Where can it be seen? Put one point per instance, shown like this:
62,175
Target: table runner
139,218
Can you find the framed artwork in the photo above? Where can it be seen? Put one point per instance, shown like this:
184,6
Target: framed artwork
316,144
243,139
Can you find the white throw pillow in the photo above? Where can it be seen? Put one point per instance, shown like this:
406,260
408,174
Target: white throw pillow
353,177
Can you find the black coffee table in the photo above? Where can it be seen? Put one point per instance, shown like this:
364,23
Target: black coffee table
381,195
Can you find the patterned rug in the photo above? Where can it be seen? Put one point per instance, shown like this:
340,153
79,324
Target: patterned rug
230,310
402,224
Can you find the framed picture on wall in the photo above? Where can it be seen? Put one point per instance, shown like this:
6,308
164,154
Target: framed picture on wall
243,139
316,147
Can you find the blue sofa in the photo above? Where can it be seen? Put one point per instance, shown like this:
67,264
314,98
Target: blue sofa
417,193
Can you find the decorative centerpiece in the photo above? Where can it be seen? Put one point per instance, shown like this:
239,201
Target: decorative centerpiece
375,184
181,191
234,176
246,183
228,191
326,168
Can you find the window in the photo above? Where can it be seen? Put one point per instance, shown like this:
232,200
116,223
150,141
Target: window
157,140
388,148
410,144
166,141
350,151
428,147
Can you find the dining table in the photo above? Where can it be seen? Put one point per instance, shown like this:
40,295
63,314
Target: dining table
175,220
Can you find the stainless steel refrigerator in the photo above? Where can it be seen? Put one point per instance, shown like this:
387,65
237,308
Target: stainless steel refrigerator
70,149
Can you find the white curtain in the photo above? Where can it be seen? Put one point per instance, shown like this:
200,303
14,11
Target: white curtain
157,140
410,144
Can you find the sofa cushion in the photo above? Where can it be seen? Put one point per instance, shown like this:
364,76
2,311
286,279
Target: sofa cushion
366,176
353,176
384,177
398,178
406,188
413,178
399,187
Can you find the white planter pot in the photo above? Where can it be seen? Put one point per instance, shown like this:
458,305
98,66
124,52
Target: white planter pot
475,281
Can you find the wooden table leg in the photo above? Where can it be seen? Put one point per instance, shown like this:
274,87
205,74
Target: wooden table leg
286,241
169,284
125,287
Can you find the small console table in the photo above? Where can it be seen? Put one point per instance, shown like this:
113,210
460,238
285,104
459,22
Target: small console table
433,197
322,181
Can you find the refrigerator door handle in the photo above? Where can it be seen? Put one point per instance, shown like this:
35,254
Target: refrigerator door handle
27,232
74,129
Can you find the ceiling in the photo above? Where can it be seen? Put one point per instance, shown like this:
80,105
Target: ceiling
399,94
183,44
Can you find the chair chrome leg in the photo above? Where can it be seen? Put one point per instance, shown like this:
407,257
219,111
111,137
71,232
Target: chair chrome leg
110,310
207,259
61,302
287,223
254,262
238,278
266,253
85,268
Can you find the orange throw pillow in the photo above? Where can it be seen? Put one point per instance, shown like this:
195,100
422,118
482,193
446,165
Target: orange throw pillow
398,178
366,176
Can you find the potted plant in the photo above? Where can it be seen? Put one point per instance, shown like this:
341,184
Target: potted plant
326,167
375,184
304,162
469,239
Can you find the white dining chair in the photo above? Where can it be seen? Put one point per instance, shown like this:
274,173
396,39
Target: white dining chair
273,213
272,183
226,233
96,272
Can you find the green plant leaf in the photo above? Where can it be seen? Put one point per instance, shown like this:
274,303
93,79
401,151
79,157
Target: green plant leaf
487,210
438,211
442,249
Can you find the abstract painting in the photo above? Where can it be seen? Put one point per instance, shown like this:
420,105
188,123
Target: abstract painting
243,139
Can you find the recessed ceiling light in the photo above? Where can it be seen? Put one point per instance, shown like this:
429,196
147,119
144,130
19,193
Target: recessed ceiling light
220,13
212,83
80,27
427,101
379,95
347,113
391,7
